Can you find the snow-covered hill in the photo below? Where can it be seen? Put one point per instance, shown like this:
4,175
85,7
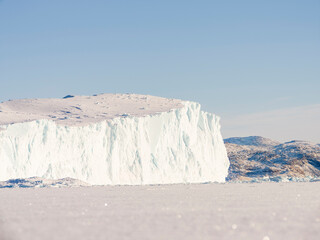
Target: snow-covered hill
261,159
111,139
252,141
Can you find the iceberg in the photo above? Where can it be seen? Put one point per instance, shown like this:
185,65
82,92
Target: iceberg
179,144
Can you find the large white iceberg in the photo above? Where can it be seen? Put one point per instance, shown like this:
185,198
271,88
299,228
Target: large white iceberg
182,145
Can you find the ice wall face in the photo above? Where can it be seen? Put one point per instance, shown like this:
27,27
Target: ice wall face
179,146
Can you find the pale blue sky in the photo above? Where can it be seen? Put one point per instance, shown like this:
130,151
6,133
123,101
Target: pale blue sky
236,58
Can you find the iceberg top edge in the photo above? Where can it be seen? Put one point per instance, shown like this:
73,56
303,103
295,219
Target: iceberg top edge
87,110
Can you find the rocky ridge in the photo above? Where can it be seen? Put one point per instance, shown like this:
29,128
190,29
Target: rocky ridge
261,159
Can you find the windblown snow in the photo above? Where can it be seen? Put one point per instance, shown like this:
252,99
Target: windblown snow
111,139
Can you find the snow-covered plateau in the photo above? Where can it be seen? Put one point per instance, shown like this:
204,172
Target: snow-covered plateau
111,139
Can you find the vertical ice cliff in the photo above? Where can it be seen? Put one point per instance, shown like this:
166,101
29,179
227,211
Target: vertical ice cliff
183,145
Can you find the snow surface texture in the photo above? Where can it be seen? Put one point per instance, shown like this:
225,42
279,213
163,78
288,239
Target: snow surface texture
83,110
35,182
234,211
181,145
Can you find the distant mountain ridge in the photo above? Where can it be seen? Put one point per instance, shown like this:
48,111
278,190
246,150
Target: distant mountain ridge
257,158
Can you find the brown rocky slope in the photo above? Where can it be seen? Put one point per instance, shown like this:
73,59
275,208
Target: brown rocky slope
260,159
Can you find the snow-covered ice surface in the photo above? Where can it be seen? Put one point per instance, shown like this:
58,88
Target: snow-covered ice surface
111,139
83,110
244,211
36,182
